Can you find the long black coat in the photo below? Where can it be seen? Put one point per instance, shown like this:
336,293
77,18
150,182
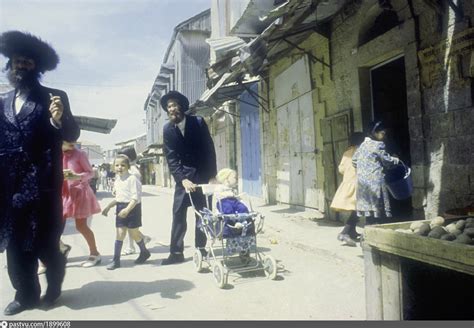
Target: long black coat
190,157
31,167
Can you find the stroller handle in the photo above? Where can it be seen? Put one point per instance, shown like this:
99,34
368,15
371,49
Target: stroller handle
207,188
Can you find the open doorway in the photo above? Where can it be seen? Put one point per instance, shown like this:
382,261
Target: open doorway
389,103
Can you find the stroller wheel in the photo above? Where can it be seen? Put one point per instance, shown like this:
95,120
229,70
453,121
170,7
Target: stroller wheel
270,267
219,275
197,260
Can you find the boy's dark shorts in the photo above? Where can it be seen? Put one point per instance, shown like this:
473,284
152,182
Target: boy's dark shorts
134,218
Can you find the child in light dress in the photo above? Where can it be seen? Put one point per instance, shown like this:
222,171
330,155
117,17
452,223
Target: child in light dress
345,197
79,201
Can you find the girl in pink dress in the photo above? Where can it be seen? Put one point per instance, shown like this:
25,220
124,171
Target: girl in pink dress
79,201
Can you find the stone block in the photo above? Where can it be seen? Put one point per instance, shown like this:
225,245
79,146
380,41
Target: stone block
464,121
459,97
412,79
418,198
419,214
418,176
413,102
447,200
436,151
442,125
417,151
455,178
459,151
415,127
426,126
464,199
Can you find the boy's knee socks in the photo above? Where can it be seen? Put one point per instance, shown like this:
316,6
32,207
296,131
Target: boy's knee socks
117,249
142,246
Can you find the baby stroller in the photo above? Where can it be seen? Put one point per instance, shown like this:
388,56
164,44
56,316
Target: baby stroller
231,243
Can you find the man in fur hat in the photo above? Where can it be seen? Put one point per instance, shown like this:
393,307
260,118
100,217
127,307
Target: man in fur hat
191,157
33,122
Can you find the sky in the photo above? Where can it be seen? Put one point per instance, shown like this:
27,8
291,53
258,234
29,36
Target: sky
110,53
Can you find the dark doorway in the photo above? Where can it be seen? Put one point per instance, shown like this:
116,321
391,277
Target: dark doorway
389,103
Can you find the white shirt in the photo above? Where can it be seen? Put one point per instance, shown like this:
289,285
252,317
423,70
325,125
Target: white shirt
127,188
181,125
20,100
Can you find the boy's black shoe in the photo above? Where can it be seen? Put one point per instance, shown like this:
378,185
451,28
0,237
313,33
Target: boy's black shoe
113,265
173,259
142,257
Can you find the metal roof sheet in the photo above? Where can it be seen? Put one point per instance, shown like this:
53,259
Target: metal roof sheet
250,24
227,88
95,124
225,47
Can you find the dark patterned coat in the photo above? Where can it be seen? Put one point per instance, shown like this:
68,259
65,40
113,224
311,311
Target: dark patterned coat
30,166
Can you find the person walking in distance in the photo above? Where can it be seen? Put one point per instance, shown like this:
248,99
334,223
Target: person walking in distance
128,193
33,122
191,158
103,178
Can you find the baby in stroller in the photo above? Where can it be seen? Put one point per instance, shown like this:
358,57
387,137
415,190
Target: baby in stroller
228,201
239,230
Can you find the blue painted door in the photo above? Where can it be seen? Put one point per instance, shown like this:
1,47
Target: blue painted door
250,143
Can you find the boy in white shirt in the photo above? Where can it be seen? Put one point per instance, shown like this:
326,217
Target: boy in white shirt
128,190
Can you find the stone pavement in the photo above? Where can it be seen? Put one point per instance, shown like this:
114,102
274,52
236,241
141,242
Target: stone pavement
318,279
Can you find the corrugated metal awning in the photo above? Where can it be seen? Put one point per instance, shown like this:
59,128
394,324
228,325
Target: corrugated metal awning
250,23
229,87
95,124
225,47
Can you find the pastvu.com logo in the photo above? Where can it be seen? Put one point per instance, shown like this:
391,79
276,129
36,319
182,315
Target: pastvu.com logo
4,324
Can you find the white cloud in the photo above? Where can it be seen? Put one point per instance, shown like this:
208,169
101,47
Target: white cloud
110,51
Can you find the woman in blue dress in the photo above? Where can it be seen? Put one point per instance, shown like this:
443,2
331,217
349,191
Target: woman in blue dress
370,159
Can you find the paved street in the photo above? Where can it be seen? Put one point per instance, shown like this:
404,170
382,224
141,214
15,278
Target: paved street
318,278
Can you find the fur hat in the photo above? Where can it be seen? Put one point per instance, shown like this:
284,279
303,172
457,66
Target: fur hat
25,44
179,97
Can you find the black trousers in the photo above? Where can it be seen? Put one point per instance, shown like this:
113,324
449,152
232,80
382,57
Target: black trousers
179,225
23,265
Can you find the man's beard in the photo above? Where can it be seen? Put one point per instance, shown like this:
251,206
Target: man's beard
176,118
22,79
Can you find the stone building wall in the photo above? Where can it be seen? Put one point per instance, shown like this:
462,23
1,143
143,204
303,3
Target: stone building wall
446,51
322,97
439,97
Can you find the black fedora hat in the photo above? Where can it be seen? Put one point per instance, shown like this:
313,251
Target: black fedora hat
25,44
179,97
